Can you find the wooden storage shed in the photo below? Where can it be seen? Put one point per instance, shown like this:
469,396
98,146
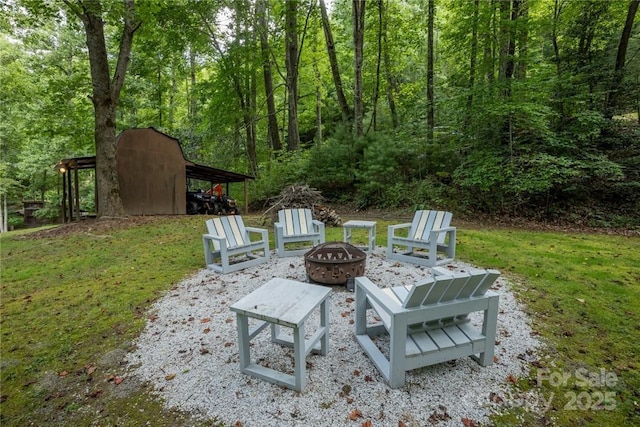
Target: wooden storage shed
152,174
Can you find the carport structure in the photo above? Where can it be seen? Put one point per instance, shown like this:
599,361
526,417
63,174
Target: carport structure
152,173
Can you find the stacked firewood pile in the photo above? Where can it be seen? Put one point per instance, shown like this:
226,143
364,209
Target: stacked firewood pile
302,196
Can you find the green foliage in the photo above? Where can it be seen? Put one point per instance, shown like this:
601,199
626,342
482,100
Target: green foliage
287,168
331,166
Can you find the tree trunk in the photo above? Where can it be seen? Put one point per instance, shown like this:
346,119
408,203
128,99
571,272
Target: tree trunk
193,104
333,62
291,34
507,46
618,71
376,88
106,92
430,54
522,40
472,63
391,86
358,38
273,132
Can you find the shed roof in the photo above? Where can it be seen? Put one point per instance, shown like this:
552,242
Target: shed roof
193,170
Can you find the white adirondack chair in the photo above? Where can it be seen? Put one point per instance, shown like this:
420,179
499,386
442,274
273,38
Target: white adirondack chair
427,323
228,246
296,226
428,233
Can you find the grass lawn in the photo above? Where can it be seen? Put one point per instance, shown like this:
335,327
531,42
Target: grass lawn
72,303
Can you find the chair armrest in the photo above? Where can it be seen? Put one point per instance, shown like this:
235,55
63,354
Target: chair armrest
443,230
382,300
392,228
319,225
221,240
436,232
261,231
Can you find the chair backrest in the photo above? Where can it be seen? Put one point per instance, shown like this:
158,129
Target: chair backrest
296,222
425,221
441,289
229,227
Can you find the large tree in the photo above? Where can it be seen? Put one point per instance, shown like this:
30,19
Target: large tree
106,92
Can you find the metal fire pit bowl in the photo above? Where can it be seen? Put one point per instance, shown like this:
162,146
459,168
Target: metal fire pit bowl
334,263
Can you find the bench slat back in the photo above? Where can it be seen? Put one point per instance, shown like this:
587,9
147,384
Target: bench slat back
448,288
424,221
296,222
231,228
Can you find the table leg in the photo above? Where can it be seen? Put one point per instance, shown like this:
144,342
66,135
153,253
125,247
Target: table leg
243,341
299,355
324,323
372,238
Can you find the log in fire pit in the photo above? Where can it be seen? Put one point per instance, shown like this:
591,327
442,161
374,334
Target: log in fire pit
334,263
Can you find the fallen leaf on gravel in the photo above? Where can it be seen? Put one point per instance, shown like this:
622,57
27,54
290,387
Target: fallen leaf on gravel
229,320
95,394
207,330
493,397
368,378
63,374
205,320
344,314
349,299
401,424
170,377
356,373
355,414
366,424
228,344
89,369
238,424
512,379
118,380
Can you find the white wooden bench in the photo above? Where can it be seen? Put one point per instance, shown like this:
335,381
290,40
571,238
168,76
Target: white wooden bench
297,226
430,232
228,246
427,322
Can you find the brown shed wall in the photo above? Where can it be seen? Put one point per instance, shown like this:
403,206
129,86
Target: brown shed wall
151,173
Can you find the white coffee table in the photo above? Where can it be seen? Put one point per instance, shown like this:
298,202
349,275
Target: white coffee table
370,226
283,302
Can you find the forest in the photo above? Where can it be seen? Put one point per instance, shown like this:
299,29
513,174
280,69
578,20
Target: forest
513,108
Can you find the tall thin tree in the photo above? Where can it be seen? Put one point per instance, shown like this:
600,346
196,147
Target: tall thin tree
618,70
273,133
291,58
358,38
333,62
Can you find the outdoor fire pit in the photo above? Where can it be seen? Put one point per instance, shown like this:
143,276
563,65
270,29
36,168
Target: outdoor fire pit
334,263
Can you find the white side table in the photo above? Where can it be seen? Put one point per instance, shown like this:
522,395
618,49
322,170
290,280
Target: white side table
370,226
282,302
